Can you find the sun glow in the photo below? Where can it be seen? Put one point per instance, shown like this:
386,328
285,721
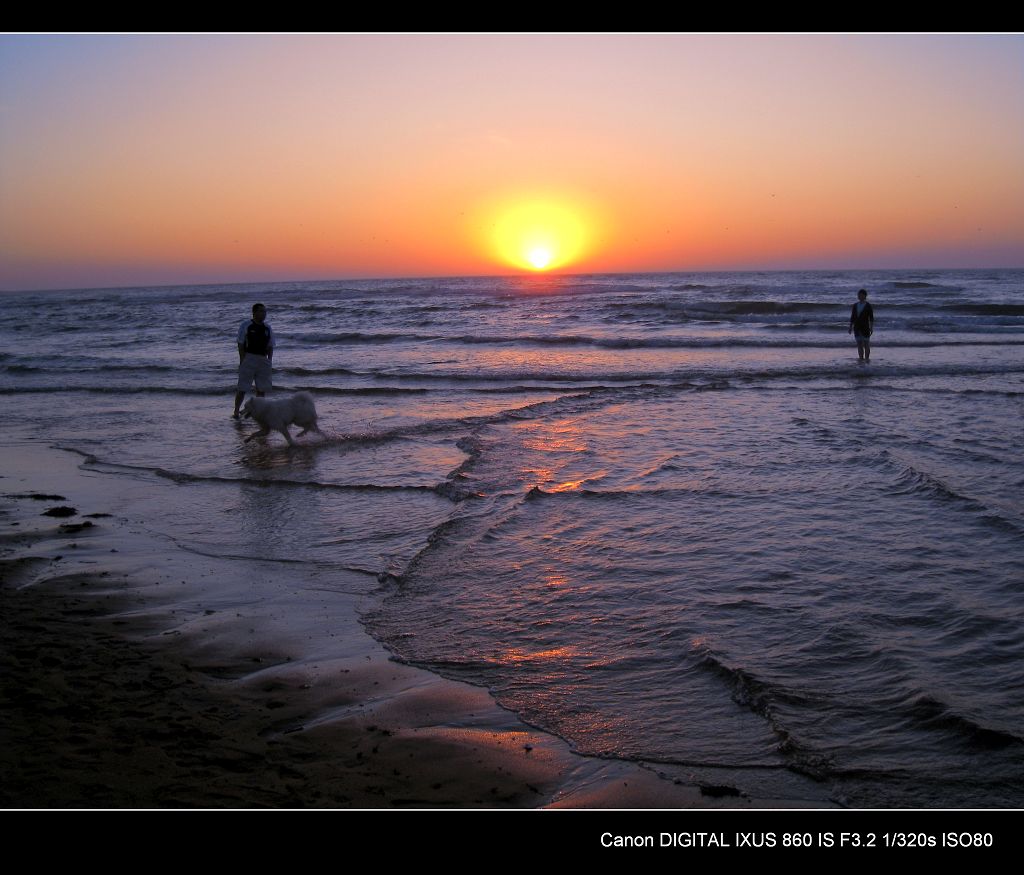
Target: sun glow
540,234
540,257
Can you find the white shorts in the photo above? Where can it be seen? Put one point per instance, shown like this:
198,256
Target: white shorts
254,367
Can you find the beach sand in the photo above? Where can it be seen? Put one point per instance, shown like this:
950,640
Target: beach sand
138,674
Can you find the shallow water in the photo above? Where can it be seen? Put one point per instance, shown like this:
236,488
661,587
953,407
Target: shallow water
668,517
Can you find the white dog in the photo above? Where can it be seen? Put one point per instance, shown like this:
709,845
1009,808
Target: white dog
278,413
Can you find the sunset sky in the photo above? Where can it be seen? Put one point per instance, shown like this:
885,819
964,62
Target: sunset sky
183,159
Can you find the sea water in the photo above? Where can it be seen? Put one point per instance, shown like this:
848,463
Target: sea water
669,517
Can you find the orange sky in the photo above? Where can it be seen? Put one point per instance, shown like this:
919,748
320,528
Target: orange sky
129,160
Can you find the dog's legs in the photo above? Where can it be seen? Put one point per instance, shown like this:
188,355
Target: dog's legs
288,436
263,432
307,427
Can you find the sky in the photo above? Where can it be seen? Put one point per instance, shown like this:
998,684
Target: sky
164,159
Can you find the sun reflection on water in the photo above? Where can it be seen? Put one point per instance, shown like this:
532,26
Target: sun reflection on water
519,654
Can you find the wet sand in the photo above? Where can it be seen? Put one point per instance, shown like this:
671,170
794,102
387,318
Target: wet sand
140,675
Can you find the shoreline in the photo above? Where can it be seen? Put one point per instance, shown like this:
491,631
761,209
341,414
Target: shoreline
143,675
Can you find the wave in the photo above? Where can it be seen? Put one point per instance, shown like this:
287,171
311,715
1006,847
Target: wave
933,713
325,338
669,377
912,481
985,309
210,391
93,461
684,342
516,381
610,342
437,538
606,342
762,697
685,310
317,372
78,367
535,493
700,309
578,401
118,390
345,391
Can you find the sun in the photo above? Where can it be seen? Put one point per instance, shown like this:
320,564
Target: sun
539,234
539,257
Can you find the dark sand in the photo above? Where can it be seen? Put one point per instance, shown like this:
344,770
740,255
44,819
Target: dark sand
139,675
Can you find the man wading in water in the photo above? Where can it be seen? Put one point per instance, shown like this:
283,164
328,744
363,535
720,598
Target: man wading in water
862,323
255,352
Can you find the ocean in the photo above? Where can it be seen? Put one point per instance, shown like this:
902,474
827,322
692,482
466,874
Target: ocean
668,517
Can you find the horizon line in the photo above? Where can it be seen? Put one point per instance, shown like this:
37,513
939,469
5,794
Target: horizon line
524,275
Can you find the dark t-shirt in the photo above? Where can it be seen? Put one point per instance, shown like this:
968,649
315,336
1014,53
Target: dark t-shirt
863,323
256,337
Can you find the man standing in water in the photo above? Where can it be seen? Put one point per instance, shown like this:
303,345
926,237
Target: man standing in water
255,352
862,323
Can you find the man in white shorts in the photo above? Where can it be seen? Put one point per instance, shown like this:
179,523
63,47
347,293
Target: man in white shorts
255,353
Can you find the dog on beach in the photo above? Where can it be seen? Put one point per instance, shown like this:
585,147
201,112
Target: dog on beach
276,414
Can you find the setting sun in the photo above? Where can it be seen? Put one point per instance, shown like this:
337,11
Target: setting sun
540,257
540,234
